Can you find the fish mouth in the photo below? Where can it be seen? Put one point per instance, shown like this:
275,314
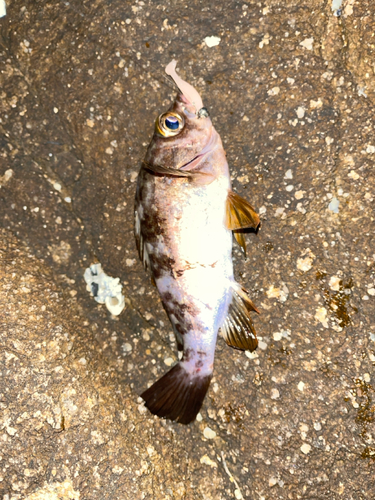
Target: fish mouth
208,148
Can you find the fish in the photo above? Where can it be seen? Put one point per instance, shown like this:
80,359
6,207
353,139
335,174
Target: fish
186,214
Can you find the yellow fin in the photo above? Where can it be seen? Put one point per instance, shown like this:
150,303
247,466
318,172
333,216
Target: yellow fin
238,328
240,238
240,214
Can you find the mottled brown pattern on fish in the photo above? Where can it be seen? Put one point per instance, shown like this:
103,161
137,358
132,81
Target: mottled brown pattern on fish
184,238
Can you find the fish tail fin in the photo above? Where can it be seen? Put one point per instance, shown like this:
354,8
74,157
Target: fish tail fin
177,395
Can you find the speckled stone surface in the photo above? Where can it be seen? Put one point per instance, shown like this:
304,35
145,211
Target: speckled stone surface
290,88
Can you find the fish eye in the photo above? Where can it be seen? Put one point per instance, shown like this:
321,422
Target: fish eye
169,124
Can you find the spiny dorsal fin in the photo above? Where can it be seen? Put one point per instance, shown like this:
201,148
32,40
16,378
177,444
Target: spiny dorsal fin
142,251
238,328
240,214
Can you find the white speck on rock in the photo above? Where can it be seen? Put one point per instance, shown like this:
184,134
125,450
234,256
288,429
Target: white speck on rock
305,263
301,386
127,347
300,112
272,481
117,469
321,316
353,175
318,426
336,5
289,188
265,41
316,104
262,210
275,394
288,174
209,433
307,43
207,461
306,448
169,361
334,283
274,91
57,186
334,205
212,41
7,175
55,110
299,195
262,345
370,149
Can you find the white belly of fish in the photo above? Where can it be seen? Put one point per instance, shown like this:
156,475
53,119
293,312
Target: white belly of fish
202,249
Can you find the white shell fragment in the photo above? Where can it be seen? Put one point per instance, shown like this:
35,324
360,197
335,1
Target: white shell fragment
3,8
105,289
212,41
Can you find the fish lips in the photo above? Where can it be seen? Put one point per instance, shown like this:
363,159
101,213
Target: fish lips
211,145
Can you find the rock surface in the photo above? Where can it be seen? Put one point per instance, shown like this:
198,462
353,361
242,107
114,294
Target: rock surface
290,89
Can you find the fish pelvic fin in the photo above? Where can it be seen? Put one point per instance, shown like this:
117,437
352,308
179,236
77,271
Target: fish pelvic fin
240,215
238,328
177,395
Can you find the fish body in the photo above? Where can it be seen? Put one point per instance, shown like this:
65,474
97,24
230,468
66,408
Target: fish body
184,216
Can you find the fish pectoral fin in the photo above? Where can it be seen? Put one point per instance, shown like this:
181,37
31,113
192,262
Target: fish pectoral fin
239,213
238,328
196,175
240,238
177,395
159,169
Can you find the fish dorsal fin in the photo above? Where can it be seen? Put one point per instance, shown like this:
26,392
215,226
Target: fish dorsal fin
240,214
142,251
238,328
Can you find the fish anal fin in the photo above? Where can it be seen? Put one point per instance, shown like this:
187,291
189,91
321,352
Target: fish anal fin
177,395
239,213
238,329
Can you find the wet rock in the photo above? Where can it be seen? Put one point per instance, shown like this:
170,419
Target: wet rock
290,89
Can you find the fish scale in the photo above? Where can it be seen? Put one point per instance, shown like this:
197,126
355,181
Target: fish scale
185,213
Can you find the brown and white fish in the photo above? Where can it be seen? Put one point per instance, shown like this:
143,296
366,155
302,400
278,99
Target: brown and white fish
185,212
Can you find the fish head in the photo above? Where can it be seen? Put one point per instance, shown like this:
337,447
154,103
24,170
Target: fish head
184,132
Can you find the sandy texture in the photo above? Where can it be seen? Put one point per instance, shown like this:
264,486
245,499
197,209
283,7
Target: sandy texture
290,88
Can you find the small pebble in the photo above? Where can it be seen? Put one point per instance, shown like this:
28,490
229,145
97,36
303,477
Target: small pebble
305,448
275,394
301,386
209,433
